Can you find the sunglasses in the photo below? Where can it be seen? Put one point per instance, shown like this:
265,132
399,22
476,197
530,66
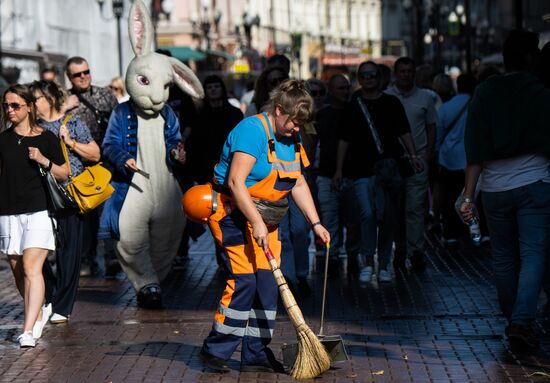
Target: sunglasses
79,74
276,81
14,105
368,74
317,92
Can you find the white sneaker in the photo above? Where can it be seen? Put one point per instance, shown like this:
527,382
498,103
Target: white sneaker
366,274
26,340
384,276
58,318
47,311
38,327
40,324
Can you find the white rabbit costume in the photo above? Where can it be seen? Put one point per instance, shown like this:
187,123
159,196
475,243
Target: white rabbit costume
141,145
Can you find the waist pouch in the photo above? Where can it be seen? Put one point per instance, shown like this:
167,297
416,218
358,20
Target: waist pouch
388,173
272,212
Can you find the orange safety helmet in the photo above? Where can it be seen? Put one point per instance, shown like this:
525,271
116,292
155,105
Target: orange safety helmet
198,202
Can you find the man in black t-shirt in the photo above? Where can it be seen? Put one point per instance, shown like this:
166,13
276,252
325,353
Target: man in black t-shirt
358,151
214,121
336,202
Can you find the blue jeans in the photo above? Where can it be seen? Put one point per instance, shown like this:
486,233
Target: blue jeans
519,226
364,192
338,208
294,234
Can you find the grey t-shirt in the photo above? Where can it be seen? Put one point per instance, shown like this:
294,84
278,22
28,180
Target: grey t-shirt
420,108
511,173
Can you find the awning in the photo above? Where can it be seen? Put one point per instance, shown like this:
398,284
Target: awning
184,53
222,54
348,60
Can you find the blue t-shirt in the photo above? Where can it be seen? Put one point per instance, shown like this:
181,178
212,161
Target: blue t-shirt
249,137
452,154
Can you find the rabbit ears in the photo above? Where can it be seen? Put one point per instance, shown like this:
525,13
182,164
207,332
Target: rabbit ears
185,79
140,29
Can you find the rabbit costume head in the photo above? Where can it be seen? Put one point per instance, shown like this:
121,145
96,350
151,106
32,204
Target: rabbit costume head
149,75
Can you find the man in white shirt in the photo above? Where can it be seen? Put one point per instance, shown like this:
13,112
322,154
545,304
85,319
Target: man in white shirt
420,109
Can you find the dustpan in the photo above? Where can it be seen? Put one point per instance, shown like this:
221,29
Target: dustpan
334,344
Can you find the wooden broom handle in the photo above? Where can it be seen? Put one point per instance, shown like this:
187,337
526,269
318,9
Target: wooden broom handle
269,254
274,267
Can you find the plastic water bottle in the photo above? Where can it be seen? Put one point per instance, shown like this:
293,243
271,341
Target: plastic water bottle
475,232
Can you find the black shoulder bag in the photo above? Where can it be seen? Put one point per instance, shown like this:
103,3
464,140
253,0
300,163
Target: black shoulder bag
387,170
60,199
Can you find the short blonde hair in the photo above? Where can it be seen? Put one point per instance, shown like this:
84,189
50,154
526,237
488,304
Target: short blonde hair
292,97
118,83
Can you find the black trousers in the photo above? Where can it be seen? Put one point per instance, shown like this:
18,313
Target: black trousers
68,258
90,242
89,239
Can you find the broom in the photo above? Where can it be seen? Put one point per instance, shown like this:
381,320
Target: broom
312,358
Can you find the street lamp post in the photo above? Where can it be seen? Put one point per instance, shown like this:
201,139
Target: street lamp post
414,10
463,12
518,8
468,32
118,10
0,40
435,33
419,15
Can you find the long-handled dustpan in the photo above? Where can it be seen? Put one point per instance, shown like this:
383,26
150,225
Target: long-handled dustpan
334,344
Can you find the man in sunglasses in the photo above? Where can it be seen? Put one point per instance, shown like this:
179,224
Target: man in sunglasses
89,103
92,105
420,108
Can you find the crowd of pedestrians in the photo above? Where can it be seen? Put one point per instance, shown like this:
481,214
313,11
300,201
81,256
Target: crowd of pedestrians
391,151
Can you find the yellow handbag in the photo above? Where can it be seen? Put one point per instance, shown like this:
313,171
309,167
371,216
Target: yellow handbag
90,188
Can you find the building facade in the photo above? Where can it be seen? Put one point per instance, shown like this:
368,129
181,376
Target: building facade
313,33
39,33
319,33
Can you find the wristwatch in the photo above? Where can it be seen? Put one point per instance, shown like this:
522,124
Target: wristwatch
467,200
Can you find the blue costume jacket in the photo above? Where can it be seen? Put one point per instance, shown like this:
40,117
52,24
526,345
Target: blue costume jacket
120,144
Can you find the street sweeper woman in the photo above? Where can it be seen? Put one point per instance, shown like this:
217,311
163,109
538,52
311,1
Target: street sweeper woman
261,162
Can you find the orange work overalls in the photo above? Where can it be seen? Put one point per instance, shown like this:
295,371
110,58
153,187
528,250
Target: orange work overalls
249,302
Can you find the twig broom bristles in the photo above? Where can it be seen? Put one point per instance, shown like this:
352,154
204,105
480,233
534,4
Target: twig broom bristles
312,358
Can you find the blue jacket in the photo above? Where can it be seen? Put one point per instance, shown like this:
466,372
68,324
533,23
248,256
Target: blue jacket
120,144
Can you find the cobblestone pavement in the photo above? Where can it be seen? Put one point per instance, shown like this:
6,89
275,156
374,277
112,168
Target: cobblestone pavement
441,326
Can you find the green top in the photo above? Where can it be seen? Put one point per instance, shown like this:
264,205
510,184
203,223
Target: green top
509,116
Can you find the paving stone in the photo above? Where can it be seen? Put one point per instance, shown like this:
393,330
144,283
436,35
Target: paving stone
441,326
